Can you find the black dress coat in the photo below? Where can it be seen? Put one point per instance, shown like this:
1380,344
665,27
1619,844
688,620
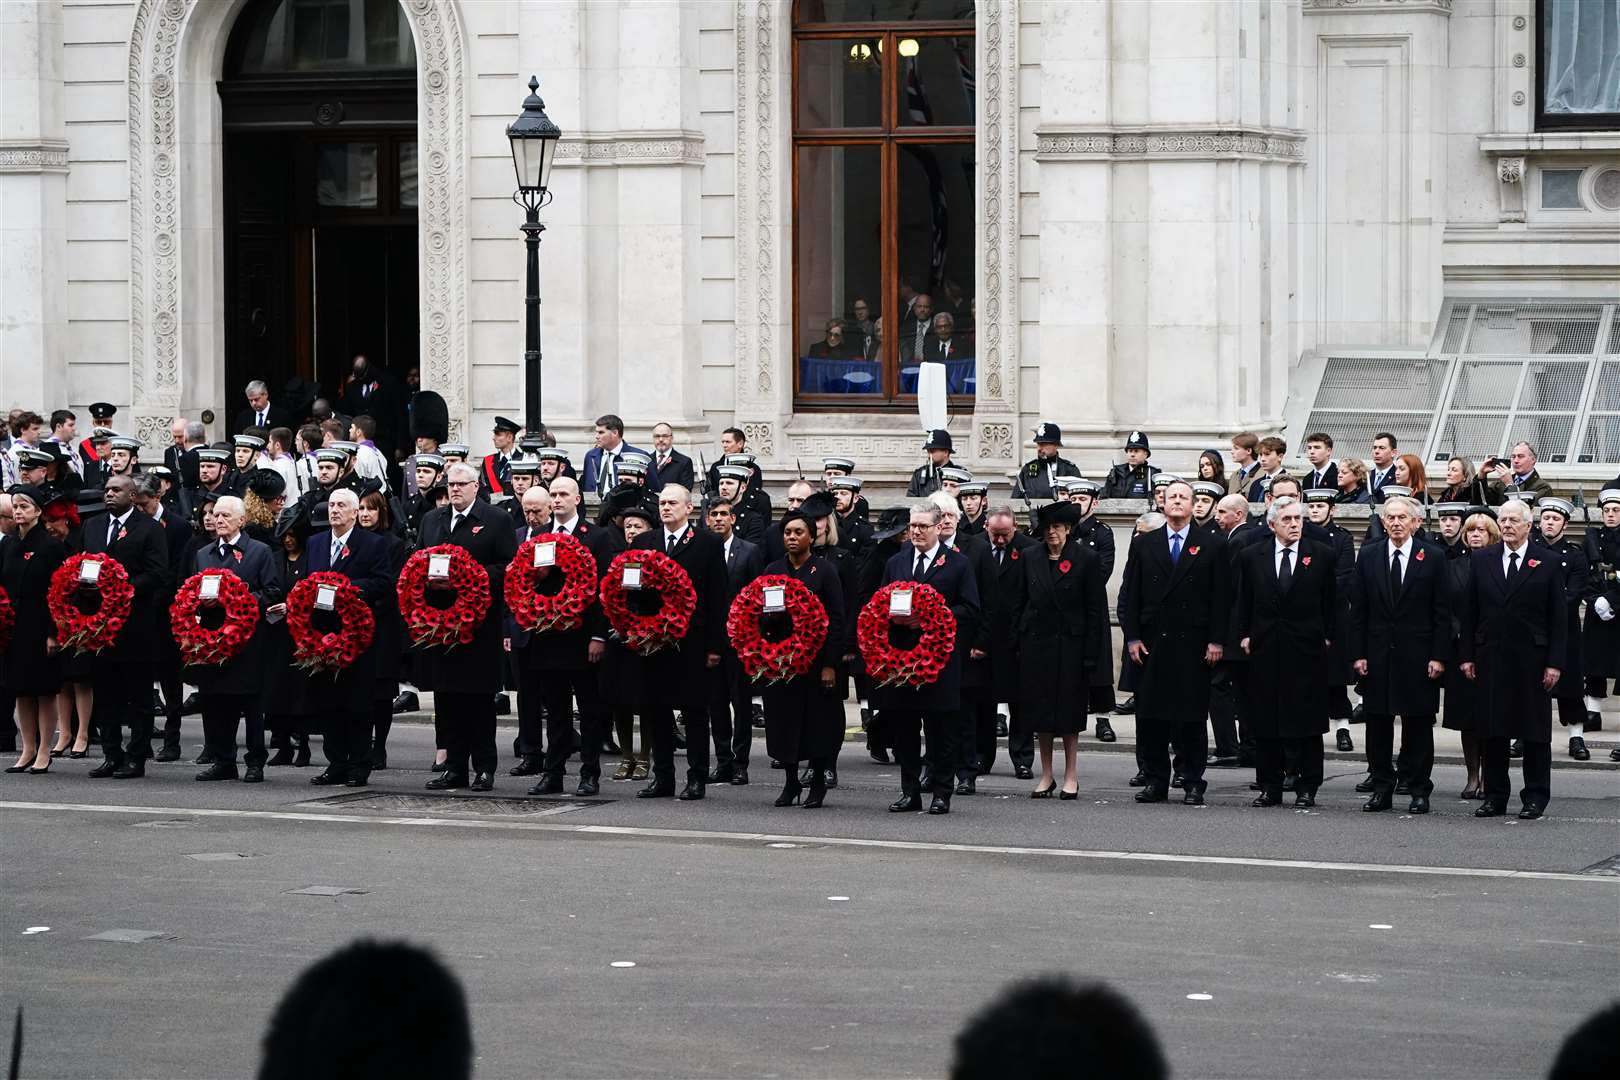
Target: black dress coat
286,687
1512,632
1177,610
366,562
244,674
485,532
996,623
1462,693
976,673
389,644
951,573
675,676
1600,639
566,650
141,546
803,720
178,534
1288,633
1399,635
1344,558
1571,557
1058,618
27,669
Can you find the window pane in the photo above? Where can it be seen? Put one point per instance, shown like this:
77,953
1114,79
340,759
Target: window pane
840,83
346,175
321,35
840,266
1560,189
1580,40
936,81
935,236
407,175
862,11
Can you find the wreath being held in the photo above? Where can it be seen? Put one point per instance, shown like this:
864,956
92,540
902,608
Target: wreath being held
8,619
457,622
110,596
315,649
571,563
890,665
201,641
647,574
768,657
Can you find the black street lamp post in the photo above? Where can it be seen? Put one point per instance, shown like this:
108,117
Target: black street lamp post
534,141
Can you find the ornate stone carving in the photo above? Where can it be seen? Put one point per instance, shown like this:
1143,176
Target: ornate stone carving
1510,175
684,147
996,402
1201,144
33,156
762,437
996,442
1351,7
1510,170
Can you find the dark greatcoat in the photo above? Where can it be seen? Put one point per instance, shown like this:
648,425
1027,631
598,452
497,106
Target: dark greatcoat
1057,620
951,573
286,687
1344,560
1094,533
141,546
365,562
244,674
676,676
803,721
1571,557
1600,639
1462,693
26,566
389,644
1288,632
1398,636
1513,631
996,625
1177,611
566,650
976,673
486,534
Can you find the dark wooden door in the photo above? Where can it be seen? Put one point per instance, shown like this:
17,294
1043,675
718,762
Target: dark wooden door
260,342
364,294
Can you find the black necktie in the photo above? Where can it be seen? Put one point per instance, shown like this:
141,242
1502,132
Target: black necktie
922,566
1001,556
1285,573
669,544
1395,573
224,551
1513,565
112,530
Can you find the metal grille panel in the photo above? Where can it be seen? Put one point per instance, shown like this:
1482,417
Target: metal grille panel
1471,436
1456,326
1607,396
1353,431
1549,434
1554,386
1534,329
1482,385
1373,383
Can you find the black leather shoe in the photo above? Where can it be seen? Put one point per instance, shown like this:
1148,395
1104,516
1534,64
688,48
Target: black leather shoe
1304,800
656,791
805,774
756,714
204,758
815,796
131,769
1366,785
529,766
169,752
1126,709
1614,755
1023,772
866,719
280,758
1531,811
503,705
722,774
358,778
1380,800
1256,786
104,770
1268,798
1516,748
253,774
1105,730
1357,713
301,755
219,770
1345,745
192,705
482,782
967,787
379,758
440,766
1403,787
447,781
1290,781
1578,750
940,805
587,787
1193,798
906,804
790,793
880,755
1139,780
406,701
551,785
680,739
1420,805
329,778
1217,761
832,778
1491,808
692,792
1152,794
739,777
1001,725
1176,781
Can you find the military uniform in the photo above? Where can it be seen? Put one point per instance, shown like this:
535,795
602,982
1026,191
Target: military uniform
1037,479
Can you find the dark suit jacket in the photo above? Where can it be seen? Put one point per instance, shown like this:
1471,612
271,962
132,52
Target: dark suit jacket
679,470
255,564
951,572
675,676
1512,631
142,547
961,347
1399,635
565,650
1330,477
183,463
1288,632
746,562
1177,610
995,625
486,534
593,464
277,417
385,404
367,561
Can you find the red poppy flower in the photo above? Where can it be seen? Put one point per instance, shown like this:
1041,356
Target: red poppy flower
89,631
1192,551
1533,563
1306,561
921,664
448,626
660,575
332,651
563,610
8,619
1065,566
777,661
1419,555
202,646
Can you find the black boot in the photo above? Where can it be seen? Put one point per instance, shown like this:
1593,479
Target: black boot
300,751
818,789
791,787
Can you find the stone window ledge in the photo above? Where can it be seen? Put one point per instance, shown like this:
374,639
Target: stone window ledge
1519,144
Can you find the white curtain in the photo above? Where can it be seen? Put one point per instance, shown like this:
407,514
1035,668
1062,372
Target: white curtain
1582,56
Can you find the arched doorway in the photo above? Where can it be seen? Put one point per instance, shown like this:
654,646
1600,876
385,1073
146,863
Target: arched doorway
321,193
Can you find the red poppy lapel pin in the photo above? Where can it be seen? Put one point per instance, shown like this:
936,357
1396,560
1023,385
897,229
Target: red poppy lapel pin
1305,561
939,561
686,538
1065,566
1533,563
1013,554
1419,555
1192,551
27,555
238,555
343,552
122,532
477,529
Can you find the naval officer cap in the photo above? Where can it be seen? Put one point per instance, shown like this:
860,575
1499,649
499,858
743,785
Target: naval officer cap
429,461
552,453
213,454
102,410
1608,495
332,454
1396,489
124,442
525,468
955,475
734,472
248,442
1560,506
844,483
1450,509
1215,491
973,487
503,424
30,458
840,464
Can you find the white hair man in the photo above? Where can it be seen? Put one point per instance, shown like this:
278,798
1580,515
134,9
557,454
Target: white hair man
976,740
1512,639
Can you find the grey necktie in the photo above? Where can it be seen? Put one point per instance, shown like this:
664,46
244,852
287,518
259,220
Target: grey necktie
337,550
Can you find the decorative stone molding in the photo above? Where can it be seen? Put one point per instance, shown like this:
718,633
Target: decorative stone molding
995,406
1510,177
33,156
156,204
1282,145
1374,7
762,437
643,148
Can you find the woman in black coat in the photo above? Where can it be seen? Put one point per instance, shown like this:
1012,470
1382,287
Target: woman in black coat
376,515
285,701
1462,693
804,717
28,669
1059,613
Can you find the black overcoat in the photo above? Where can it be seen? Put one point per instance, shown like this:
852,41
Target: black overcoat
1600,638
246,672
1288,633
1058,618
802,719
951,573
1399,635
486,534
1177,611
676,675
26,565
1512,631
141,546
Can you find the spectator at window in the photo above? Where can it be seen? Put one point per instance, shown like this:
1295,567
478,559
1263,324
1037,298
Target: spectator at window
915,327
945,343
835,346
1353,481
1464,485
1409,473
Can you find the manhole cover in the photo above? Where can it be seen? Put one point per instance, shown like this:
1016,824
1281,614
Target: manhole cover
482,806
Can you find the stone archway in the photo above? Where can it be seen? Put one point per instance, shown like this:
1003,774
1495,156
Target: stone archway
176,330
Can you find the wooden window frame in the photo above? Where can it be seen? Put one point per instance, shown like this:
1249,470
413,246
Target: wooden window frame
889,137
1545,121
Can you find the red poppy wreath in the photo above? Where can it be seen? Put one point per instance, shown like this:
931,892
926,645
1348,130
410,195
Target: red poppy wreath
659,575
329,650
89,631
204,645
8,619
457,623
919,665
766,660
563,609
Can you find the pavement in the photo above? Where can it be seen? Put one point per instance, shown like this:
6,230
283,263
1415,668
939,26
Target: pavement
844,942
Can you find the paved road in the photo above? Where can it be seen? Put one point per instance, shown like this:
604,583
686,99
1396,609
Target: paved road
1499,933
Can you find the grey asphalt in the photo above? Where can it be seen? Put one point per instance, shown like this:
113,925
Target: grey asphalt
745,967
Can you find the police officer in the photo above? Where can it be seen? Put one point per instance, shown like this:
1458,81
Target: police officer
925,479
1133,479
1555,514
1038,478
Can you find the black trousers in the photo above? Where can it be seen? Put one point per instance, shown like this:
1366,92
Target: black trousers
731,713
1535,766
1417,752
967,738
465,727
346,740
174,697
1154,738
124,698
1304,753
1226,712
285,731
557,694
382,722
906,727
662,721
531,741
220,715
1020,744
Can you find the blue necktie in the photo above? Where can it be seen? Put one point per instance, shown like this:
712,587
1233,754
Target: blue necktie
1175,548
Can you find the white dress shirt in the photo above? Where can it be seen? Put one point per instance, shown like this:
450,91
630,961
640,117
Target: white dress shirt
1523,552
1278,547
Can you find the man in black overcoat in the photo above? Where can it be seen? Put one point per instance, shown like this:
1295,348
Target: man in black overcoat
975,672
1174,613
123,674
996,649
177,533
1513,633
1400,644
730,694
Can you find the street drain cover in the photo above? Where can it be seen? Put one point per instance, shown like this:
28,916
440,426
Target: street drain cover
394,803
